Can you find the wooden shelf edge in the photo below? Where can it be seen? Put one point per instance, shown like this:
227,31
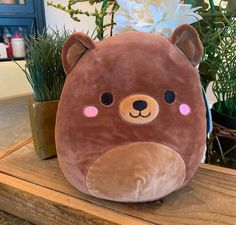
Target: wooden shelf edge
48,197
219,169
15,147
26,141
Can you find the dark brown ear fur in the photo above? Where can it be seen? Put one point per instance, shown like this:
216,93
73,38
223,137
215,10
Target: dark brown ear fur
75,46
186,38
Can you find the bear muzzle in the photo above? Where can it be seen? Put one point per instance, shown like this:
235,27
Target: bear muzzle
136,172
138,109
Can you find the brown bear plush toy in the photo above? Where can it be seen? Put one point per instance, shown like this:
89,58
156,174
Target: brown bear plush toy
131,122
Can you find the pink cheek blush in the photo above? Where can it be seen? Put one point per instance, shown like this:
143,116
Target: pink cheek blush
90,111
184,109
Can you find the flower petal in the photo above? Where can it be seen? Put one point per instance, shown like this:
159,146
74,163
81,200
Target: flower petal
156,16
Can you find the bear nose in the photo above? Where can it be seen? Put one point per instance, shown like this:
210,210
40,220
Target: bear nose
140,105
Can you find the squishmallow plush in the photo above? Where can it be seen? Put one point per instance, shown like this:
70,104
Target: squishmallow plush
131,121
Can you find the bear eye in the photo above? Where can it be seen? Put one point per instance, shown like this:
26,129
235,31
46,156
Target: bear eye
169,97
106,99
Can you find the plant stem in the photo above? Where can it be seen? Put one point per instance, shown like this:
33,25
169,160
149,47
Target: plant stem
212,8
100,20
112,18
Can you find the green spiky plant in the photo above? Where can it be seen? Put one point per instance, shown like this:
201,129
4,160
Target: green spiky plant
217,31
107,8
209,29
221,148
43,67
224,86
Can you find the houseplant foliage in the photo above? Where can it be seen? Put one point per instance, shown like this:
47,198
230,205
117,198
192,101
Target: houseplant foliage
215,18
217,31
222,146
107,9
45,73
43,67
224,86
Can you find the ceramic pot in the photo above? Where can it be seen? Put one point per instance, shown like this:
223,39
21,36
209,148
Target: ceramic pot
223,119
42,119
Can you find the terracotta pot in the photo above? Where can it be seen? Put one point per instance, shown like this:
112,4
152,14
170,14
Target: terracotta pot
43,118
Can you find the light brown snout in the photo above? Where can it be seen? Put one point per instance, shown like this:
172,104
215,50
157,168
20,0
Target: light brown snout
136,172
138,109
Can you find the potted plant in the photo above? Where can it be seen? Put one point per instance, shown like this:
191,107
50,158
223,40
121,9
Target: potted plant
217,31
222,149
45,73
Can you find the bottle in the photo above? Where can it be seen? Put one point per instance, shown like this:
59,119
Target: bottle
18,44
8,2
3,50
7,40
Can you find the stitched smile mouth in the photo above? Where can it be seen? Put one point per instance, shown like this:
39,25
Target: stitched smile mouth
140,115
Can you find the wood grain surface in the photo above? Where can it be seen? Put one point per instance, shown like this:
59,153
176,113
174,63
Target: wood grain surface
37,191
15,147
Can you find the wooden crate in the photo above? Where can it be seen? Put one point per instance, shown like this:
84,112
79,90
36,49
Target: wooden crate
37,191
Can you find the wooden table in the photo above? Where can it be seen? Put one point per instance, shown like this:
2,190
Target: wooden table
36,191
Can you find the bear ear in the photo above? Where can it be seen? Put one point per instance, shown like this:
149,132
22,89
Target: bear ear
74,48
186,38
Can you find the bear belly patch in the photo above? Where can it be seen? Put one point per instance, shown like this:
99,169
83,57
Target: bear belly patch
136,172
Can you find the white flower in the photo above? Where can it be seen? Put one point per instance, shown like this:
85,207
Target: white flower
156,16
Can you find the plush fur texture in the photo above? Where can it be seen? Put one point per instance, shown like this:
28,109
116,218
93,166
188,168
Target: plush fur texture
138,147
